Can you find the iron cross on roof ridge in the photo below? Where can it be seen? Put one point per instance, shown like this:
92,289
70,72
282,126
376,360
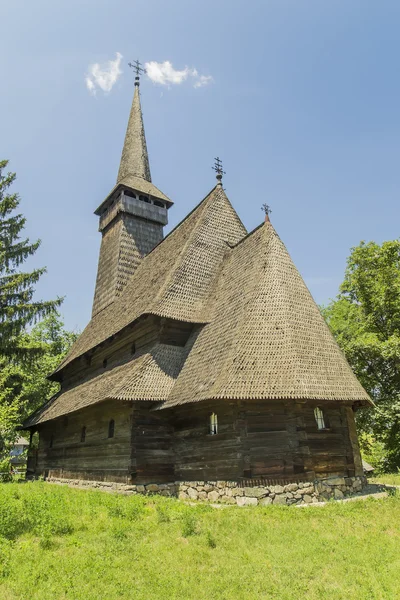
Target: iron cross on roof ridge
137,67
218,169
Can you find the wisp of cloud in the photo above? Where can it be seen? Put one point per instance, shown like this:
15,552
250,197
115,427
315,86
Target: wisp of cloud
103,76
165,74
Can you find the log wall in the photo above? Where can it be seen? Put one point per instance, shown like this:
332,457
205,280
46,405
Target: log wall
255,441
62,454
264,440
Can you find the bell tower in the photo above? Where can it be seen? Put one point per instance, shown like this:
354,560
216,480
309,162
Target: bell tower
132,217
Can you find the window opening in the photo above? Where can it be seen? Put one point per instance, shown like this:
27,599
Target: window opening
319,417
111,427
158,203
213,424
144,199
105,361
133,348
83,434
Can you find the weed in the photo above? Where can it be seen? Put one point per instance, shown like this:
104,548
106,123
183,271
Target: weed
211,542
189,524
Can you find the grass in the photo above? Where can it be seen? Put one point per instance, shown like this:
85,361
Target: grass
57,543
389,479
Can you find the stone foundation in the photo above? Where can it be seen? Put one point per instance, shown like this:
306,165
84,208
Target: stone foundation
232,492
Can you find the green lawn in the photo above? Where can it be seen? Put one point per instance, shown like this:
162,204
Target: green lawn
57,542
390,479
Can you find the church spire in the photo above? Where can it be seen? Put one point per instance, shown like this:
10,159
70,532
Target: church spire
135,159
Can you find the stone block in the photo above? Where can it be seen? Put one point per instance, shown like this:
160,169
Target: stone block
335,481
307,490
192,493
237,491
243,501
277,489
307,498
202,495
140,489
152,488
183,496
266,501
338,494
255,492
228,500
280,499
291,487
213,496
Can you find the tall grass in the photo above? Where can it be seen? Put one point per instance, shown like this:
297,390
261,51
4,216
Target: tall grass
58,543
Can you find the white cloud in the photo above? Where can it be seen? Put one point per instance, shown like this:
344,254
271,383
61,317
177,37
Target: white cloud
203,80
103,76
165,74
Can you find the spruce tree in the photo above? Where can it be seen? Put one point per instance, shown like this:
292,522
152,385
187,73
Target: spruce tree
17,307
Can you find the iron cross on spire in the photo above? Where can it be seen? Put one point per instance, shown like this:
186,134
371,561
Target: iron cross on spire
137,66
218,169
267,210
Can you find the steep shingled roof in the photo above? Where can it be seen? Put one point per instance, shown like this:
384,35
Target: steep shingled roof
176,278
267,339
135,159
148,377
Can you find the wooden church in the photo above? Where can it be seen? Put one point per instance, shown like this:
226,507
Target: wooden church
206,357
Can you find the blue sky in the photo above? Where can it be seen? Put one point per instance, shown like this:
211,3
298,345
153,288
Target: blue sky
303,109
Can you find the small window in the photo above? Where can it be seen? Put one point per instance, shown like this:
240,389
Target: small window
158,203
111,427
83,434
105,361
51,441
133,348
129,194
144,199
213,424
319,417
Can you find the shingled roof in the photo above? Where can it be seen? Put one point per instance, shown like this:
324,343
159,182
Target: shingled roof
176,278
261,337
267,339
149,377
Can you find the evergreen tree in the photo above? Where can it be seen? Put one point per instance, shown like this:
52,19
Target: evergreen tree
17,307
23,384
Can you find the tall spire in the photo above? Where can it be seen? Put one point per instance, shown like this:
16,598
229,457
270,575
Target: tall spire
134,159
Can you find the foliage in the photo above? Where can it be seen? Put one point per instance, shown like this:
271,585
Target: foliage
57,542
17,307
365,319
23,384
373,451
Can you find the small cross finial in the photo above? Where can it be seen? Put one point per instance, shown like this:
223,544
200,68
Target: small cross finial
137,66
218,169
267,210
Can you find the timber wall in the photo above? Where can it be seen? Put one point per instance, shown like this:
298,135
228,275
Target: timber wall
262,440
256,441
61,452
